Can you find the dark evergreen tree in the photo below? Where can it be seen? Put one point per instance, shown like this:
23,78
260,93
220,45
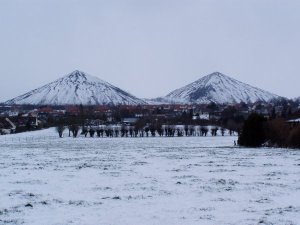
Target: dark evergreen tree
253,132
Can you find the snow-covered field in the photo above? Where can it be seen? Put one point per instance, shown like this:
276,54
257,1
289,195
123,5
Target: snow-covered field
117,181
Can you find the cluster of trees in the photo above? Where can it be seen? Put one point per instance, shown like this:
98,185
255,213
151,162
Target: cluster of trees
258,131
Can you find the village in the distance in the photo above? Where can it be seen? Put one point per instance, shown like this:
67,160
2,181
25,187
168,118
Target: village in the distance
20,118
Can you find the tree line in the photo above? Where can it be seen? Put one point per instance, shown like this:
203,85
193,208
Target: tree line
137,131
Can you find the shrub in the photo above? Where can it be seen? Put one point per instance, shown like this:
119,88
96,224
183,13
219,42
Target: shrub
294,138
277,131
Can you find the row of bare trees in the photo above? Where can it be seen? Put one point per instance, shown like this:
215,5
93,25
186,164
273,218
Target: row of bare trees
136,131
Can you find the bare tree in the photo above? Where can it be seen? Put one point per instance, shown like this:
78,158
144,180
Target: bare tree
60,129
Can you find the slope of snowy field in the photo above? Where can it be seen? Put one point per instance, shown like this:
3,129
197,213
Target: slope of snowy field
188,180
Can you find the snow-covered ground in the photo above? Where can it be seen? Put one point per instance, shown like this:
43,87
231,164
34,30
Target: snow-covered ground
117,181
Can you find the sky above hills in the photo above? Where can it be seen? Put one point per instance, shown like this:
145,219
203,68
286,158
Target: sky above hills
150,47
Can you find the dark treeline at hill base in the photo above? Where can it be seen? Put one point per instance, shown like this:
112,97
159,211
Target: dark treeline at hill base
257,124
254,130
258,131
151,125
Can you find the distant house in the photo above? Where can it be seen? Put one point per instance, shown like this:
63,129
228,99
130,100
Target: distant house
204,116
294,122
7,126
130,121
13,113
9,113
139,115
201,116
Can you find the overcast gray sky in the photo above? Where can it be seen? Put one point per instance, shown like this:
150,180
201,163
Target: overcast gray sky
150,47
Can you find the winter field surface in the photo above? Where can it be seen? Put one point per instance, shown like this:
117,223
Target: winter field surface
45,180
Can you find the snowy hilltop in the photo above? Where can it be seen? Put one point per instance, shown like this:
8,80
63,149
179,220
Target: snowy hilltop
217,88
81,88
74,89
